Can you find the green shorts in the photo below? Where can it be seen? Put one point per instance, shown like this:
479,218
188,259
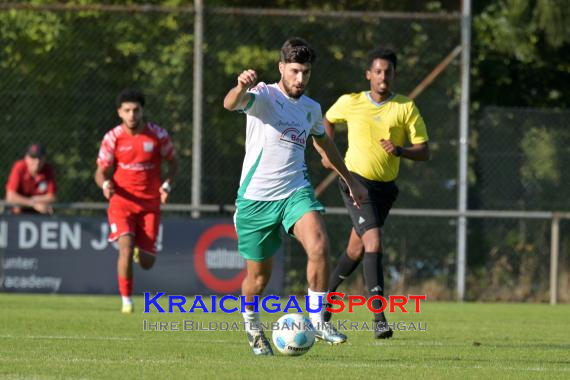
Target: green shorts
258,222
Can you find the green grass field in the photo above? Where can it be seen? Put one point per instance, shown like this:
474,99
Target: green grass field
87,337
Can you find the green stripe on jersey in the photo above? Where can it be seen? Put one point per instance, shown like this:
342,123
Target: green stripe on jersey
250,103
247,179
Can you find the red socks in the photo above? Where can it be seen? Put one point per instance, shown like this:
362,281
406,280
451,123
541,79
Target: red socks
125,286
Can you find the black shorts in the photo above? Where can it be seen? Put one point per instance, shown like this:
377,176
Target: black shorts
375,208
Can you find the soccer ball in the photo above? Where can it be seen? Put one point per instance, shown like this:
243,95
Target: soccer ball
294,335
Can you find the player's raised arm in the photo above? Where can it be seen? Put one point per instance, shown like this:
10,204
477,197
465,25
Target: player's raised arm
237,98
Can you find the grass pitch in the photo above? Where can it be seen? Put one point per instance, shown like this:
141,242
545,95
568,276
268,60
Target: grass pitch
52,337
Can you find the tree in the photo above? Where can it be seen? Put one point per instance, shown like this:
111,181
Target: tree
520,53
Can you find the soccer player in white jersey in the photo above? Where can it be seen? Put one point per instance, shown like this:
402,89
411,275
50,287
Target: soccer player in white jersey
274,187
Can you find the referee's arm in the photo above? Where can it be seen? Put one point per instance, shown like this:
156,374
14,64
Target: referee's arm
329,128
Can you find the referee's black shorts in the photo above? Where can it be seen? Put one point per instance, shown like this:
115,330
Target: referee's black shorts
375,208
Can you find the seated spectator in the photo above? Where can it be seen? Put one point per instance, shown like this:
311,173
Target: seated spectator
31,187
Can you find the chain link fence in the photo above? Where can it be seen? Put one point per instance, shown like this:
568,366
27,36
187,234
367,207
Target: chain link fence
522,157
61,70
520,160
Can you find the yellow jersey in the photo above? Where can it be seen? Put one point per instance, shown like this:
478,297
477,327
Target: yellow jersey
396,119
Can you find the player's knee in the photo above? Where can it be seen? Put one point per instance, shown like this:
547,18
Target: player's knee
260,281
355,253
372,242
126,252
317,251
376,247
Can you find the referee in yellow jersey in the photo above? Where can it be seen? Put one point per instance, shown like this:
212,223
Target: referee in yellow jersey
379,122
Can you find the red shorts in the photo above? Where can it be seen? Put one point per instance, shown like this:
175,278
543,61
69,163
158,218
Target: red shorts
142,224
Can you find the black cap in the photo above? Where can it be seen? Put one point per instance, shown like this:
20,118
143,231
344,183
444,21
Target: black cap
36,151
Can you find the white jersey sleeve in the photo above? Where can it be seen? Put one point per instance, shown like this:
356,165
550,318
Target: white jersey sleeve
257,105
318,129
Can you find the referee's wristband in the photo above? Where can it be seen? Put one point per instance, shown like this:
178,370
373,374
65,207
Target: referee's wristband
166,186
399,151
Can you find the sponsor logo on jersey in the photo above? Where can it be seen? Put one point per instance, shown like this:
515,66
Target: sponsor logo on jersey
294,136
42,186
148,146
137,166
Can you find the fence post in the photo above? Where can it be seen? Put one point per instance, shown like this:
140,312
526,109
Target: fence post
554,252
197,106
463,149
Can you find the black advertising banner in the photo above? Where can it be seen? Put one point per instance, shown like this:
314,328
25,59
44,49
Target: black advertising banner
71,255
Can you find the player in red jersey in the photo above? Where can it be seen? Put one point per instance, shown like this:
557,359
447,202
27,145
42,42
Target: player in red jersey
129,173
31,187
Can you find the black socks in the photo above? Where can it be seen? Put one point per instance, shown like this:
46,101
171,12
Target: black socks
344,267
374,279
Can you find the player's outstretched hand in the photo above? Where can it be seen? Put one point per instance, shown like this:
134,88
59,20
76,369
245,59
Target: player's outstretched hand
358,192
247,79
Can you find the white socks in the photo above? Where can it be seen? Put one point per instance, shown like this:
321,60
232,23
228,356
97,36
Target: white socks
251,319
127,300
316,299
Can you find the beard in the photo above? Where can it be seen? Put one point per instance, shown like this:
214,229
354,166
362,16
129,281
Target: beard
293,92
134,125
